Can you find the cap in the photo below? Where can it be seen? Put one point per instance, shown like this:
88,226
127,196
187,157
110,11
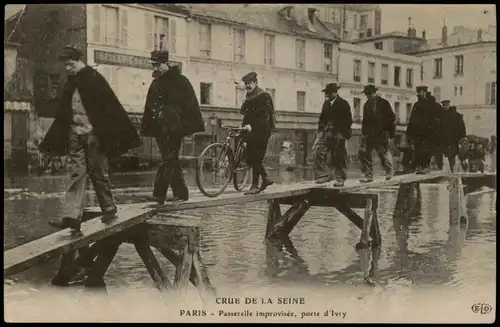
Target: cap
445,102
159,56
422,88
369,89
250,77
70,52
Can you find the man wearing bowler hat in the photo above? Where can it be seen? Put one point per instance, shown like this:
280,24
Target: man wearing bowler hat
377,133
259,121
171,112
334,129
91,126
452,130
422,130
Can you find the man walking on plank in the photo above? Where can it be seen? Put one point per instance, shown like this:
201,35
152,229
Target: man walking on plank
259,121
377,133
334,129
171,113
91,125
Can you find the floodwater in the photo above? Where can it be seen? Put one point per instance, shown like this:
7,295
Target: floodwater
425,270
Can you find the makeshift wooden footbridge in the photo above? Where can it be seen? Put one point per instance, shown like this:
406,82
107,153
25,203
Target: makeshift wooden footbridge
175,234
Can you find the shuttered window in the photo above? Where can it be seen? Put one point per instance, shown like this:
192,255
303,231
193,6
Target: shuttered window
96,14
148,20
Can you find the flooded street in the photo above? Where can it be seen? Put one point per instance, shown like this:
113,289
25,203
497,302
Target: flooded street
422,259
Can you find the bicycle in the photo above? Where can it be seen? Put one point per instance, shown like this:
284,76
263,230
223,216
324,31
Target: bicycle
224,161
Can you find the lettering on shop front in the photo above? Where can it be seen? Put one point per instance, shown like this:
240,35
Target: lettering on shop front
119,59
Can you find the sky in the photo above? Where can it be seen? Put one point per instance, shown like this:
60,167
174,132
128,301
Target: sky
424,16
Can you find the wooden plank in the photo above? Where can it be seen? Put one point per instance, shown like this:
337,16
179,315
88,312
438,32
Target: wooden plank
30,254
325,198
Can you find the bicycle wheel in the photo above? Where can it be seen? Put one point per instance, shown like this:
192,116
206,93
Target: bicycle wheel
214,169
241,172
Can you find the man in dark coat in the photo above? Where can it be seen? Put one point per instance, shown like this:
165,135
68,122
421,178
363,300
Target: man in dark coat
377,133
171,112
452,130
334,128
421,131
259,121
90,126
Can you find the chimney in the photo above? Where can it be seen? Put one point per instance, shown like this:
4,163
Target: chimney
444,34
409,27
310,14
479,35
423,34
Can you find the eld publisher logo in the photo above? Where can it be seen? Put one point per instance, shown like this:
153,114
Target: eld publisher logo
482,308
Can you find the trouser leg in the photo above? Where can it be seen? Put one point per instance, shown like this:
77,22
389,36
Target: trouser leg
97,168
340,159
169,150
365,158
385,156
74,198
320,151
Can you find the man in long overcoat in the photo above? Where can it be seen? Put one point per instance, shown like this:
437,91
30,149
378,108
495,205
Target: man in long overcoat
91,126
171,112
452,130
334,129
377,133
422,130
259,120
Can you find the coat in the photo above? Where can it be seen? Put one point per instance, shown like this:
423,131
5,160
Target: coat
337,117
452,127
110,121
171,107
382,120
258,112
423,123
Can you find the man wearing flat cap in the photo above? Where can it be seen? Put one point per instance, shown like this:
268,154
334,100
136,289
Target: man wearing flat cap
259,120
334,129
452,130
171,112
91,126
422,130
377,133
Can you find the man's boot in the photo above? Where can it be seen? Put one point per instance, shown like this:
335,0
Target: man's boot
266,181
254,189
324,179
366,179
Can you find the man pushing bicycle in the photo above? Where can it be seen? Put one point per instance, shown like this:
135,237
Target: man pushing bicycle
259,121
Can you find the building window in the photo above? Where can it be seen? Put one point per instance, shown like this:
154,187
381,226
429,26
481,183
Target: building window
300,54
436,91
378,21
268,49
396,112
333,16
409,77
438,68
301,101
456,90
397,74
478,117
328,56
160,40
385,74
459,65
55,86
206,93
371,72
379,45
205,39
357,71
361,35
111,25
239,45
272,93
408,111
491,93
461,90
421,73
363,22
240,95
357,109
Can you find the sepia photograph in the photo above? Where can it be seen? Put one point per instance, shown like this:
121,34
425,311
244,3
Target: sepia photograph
250,163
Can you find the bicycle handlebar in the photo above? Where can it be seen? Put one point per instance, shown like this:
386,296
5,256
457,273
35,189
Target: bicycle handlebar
237,129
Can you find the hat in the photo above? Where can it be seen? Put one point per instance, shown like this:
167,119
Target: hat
331,87
159,56
369,89
70,52
445,102
250,77
422,88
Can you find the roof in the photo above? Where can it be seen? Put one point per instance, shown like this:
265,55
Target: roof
453,47
263,16
13,34
399,35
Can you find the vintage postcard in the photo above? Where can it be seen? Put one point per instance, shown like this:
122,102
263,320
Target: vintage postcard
272,163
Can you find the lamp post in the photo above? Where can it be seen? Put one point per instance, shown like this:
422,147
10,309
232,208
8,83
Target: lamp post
213,124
